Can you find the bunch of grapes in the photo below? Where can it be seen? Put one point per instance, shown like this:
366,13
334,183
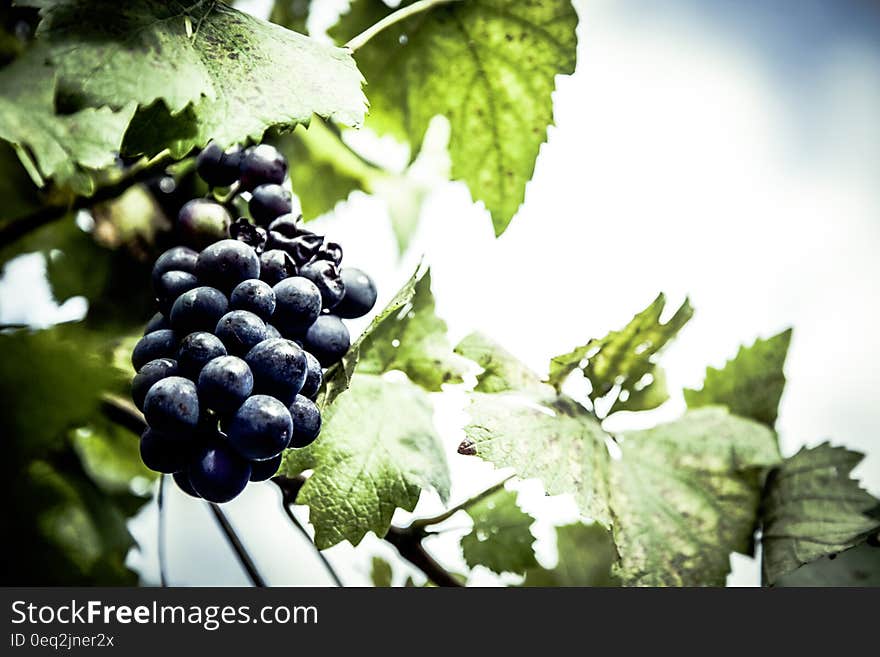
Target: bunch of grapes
229,368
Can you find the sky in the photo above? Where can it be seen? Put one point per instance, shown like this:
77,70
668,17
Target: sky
724,151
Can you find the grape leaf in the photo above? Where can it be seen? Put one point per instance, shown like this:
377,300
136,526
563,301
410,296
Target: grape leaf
110,455
857,566
65,148
50,381
240,74
377,450
812,508
685,494
489,66
680,497
626,358
586,557
749,385
501,371
500,539
405,336
380,573
551,438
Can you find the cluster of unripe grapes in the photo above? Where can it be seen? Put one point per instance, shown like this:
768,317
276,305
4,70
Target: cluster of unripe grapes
229,368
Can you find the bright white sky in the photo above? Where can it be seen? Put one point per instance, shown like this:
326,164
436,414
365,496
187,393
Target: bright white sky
682,161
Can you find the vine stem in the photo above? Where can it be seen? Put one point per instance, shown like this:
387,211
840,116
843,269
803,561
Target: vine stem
394,17
424,523
327,565
408,542
238,547
48,213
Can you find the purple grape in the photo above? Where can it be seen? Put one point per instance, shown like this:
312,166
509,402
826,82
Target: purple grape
196,350
255,296
240,331
306,421
150,373
260,429
158,344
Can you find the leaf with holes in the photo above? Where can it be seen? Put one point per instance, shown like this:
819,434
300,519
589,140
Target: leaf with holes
812,508
751,384
586,558
239,74
685,494
500,539
626,359
377,450
489,66
67,148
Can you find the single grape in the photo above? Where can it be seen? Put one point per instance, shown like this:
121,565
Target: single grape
224,384
172,405
217,168
179,258
325,275
198,310
306,421
196,350
244,231
330,251
327,339
272,332
217,473
263,470
275,266
157,322
260,429
297,304
150,373
314,377
163,453
360,294
158,344
182,480
261,165
171,285
227,263
255,296
269,202
240,331
201,222
279,368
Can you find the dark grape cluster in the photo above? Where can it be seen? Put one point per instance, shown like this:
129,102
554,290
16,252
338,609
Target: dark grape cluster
249,314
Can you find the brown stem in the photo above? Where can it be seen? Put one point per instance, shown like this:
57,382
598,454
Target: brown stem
409,544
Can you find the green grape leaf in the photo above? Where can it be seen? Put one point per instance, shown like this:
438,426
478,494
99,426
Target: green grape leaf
50,381
405,336
500,539
489,66
680,497
685,494
625,358
551,438
240,74
110,455
857,566
65,148
377,450
68,531
586,558
501,371
380,573
813,508
749,385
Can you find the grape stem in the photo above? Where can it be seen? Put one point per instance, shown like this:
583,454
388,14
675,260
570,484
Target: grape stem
394,17
424,523
53,211
160,532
